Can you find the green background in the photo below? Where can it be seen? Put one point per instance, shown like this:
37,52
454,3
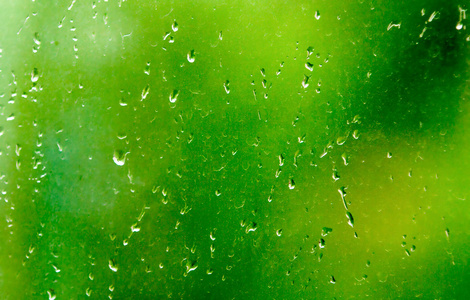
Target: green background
234,149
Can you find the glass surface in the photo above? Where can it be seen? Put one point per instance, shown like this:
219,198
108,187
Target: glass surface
234,149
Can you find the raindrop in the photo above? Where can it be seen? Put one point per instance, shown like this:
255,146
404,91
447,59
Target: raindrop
119,157
191,56
36,39
135,228
147,68
51,294
174,96
145,92
317,15
309,66
279,232
251,227
291,184
226,86
34,75
350,219
325,231
310,51
263,72
174,26
113,265
305,81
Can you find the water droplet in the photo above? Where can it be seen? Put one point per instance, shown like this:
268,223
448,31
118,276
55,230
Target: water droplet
350,219
310,51
342,139
355,134
135,228
147,68
332,280
279,232
251,227
113,265
174,96
305,81
325,231
317,15
174,26
191,56
51,294
391,25
36,39
119,157
309,66
226,86
291,184
145,92
342,192
34,75
389,154
263,72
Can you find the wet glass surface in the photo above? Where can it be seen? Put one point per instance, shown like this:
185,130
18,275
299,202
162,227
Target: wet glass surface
234,149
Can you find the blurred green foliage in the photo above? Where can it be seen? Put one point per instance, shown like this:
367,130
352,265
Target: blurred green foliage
234,149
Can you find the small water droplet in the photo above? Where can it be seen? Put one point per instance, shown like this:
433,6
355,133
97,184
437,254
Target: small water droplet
263,72
279,232
291,184
34,75
51,294
191,56
309,66
36,39
147,68
305,81
174,26
350,219
317,15
251,227
226,86
325,231
174,96
119,157
135,228
113,265
145,92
